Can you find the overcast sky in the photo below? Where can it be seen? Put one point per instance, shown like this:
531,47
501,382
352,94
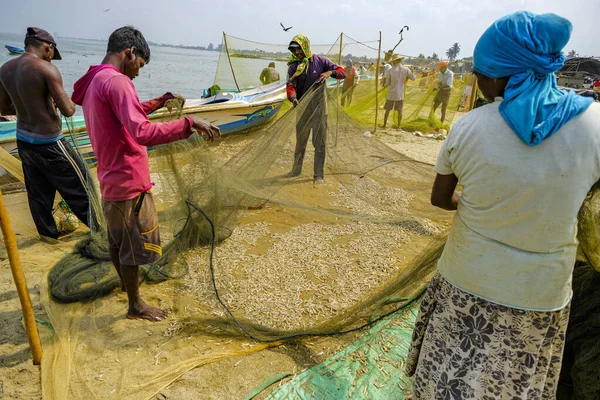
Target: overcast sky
434,24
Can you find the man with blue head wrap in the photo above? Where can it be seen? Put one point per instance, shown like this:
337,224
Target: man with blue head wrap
492,323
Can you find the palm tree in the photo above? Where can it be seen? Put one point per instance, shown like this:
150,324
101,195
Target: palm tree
572,54
435,56
453,51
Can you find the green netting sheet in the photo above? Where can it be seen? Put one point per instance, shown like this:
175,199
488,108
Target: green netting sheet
370,368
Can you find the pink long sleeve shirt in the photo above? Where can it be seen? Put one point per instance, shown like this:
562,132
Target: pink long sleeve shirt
120,130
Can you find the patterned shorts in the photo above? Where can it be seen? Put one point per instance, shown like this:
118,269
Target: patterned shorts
135,234
465,347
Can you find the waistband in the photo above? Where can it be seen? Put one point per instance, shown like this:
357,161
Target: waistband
38,138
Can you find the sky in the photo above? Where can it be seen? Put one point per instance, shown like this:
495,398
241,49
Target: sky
434,24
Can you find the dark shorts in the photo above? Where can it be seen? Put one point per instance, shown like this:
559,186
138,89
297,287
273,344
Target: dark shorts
443,95
394,105
136,236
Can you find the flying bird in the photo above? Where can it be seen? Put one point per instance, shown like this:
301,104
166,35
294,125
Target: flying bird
107,10
284,28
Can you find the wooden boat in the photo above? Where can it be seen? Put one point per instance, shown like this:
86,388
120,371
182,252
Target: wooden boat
14,50
231,112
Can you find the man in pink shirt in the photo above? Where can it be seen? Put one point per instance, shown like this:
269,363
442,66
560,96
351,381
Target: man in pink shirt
119,131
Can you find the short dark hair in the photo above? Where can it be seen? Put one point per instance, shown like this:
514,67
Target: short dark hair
31,41
126,37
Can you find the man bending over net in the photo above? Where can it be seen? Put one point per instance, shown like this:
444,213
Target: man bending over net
119,131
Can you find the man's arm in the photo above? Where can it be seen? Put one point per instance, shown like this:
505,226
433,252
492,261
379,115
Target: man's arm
6,105
443,194
123,99
331,70
263,76
54,83
290,89
387,78
155,104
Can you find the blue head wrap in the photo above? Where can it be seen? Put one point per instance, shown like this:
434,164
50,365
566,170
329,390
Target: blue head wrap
527,48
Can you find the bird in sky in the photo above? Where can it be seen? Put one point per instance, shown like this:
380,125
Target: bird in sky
284,28
107,10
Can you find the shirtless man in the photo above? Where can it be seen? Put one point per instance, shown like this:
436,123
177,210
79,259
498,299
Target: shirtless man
32,88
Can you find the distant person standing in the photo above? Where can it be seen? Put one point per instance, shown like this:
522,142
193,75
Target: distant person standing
395,78
119,131
350,81
444,88
306,69
32,88
269,74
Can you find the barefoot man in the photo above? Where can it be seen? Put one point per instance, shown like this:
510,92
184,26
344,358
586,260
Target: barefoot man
119,131
31,87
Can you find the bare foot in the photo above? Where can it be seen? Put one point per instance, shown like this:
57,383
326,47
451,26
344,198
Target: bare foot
144,311
292,174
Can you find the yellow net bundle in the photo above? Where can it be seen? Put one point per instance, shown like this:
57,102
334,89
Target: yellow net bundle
369,93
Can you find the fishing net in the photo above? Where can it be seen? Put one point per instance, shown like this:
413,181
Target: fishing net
370,191
258,257
581,360
253,258
241,62
588,232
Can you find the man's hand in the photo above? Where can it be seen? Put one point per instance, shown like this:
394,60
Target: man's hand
323,77
180,99
173,101
202,126
294,102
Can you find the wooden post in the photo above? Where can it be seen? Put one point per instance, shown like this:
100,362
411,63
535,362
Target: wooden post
474,87
10,242
229,59
338,105
340,54
11,165
377,84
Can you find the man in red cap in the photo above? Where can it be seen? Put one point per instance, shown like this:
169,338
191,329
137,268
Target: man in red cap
32,88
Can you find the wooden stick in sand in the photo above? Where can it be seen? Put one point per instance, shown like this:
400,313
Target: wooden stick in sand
10,242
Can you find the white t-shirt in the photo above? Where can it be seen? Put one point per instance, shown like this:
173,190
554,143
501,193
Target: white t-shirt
513,238
395,78
446,78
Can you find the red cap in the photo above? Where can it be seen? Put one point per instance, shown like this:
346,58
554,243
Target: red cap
44,36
